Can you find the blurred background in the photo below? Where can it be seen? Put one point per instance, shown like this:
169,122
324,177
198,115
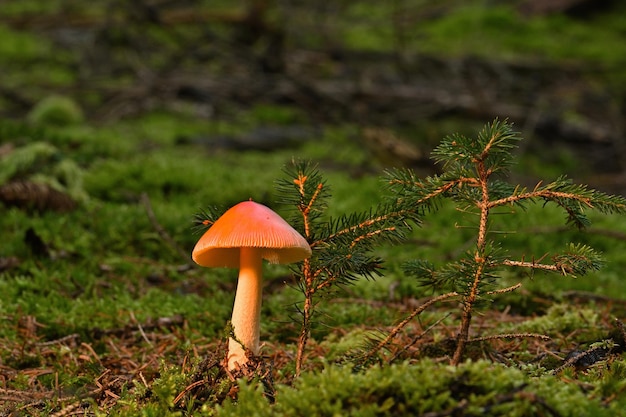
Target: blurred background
402,73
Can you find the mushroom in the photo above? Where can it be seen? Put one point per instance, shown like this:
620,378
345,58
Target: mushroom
242,237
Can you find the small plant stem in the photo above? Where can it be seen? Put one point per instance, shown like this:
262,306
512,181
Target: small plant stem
366,223
308,276
307,311
505,290
480,258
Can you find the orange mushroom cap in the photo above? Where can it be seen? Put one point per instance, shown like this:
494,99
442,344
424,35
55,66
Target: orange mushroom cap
252,225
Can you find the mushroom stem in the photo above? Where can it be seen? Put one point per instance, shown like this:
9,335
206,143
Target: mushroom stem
247,308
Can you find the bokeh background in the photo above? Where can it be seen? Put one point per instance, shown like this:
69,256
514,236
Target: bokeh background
270,74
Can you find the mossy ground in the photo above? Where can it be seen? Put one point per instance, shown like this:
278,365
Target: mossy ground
103,313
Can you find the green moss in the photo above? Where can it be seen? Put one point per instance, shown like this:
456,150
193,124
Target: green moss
29,7
56,111
485,31
425,387
21,46
264,114
561,318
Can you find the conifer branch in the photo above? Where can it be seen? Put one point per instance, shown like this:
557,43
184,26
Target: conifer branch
205,218
341,247
532,265
418,337
468,179
369,222
370,235
546,194
426,190
397,328
505,290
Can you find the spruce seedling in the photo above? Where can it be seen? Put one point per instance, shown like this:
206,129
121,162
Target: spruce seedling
473,177
342,247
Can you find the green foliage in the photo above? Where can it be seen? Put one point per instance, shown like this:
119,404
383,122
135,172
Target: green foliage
156,400
479,30
56,111
474,28
42,163
472,388
561,318
613,384
22,161
166,388
32,63
577,259
275,115
493,146
342,247
22,47
473,178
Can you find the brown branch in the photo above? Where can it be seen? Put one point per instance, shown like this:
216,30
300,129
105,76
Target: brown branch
307,312
470,298
325,283
510,336
370,234
465,180
418,337
571,361
308,276
361,225
61,340
188,388
444,189
532,265
304,333
505,290
485,153
382,218
404,322
306,210
540,194
77,409
589,296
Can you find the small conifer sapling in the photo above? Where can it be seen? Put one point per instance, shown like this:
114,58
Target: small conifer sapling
342,248
474,173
